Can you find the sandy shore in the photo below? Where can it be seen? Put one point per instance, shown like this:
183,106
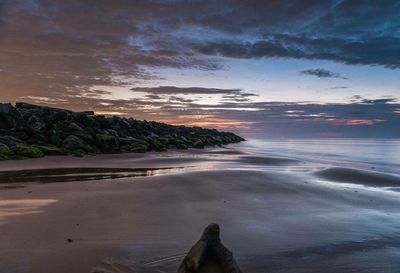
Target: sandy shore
274,220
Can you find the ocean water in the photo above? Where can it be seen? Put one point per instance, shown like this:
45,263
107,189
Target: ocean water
379,154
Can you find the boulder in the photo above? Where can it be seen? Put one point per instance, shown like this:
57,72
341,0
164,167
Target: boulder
4,152
87,137
7,122
107,143
198,144
6,108
51,150
84,118
24,105
74,143
17,134
74,127
59,115
11,141
27,151
35,122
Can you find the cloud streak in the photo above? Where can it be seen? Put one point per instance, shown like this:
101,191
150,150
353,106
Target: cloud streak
322,73
186,90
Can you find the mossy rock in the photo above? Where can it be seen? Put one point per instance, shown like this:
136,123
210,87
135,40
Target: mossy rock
125,148
198,144
5,152
158,146
139,148
27,151
134,148
78,153
17,157
182,146
172,146
107,143
51,150
74,143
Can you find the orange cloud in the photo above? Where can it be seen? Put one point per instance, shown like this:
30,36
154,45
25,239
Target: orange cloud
210,121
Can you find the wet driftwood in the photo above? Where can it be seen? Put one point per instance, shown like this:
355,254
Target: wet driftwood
209,249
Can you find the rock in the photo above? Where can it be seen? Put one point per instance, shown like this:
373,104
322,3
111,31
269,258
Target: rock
55,139
84,118
102,121
53,131
74,127
78,153
6,121
4,152
132,141
51,150
27,151
24,105
85,136
209,249
17,134
134,148
198,144
157,146
36,123
74,143
6,108
60,115
11,141
107,143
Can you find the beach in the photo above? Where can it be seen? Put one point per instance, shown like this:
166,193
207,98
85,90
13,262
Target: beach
142,212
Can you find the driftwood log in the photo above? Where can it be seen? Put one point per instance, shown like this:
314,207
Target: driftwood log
209,247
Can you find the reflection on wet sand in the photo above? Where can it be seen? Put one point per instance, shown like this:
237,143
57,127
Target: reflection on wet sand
84,174
19,207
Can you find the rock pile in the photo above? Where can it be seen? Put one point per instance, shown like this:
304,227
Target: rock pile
31,131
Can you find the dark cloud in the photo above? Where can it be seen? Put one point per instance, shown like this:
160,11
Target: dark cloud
383,51
322,73
351,32
361,100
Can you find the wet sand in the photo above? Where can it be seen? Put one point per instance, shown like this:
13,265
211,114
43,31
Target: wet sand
276,216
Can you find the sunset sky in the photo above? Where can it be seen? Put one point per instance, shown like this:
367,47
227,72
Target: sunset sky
259,68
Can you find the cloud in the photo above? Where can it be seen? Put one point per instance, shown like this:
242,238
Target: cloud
59,48
58,52
382,51
186,90
322,73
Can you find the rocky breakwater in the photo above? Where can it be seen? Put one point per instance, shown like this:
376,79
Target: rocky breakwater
32,131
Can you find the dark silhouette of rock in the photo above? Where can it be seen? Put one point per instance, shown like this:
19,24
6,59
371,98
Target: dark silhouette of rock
51,131
209,255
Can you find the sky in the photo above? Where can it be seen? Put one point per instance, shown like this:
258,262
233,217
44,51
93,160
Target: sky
265,69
